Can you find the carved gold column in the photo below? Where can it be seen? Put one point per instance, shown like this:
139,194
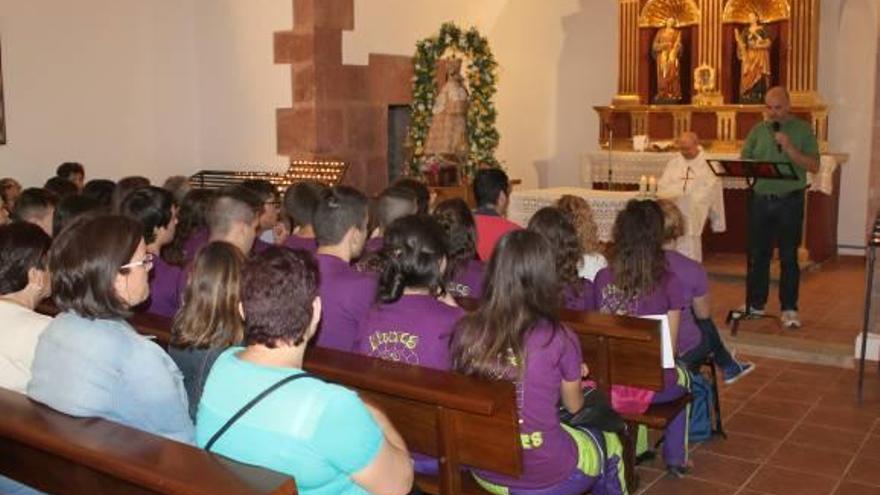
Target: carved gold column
726,131
681,122
638,123
804,52
820,128
628,53
709,43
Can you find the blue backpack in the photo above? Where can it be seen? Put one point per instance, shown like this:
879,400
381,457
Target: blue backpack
700,428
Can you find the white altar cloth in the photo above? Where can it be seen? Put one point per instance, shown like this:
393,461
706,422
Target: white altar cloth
606,205
628,166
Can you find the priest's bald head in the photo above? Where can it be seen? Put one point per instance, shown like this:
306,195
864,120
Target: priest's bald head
778,104
689,145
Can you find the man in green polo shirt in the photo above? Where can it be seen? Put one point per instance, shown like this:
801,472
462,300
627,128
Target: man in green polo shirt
777,209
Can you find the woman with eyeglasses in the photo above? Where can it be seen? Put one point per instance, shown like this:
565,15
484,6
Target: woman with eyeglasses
89,361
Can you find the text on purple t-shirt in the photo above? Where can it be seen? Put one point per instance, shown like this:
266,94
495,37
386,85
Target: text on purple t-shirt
667,296
549,453
414,330
468,280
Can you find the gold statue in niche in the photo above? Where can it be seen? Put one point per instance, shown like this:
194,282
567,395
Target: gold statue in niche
666,49
669,17
753,51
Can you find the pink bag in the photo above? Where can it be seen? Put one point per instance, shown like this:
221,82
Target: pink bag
627,400
630,400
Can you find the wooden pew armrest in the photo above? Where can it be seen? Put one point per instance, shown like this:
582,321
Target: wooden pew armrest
658,416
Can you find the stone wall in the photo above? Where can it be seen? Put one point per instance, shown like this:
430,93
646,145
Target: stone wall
339,112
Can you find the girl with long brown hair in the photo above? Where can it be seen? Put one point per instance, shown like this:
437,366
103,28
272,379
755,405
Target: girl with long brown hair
579,213
638,283
515,335
209,320
576,292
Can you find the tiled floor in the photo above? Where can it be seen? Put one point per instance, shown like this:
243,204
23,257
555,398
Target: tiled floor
793,429
831,298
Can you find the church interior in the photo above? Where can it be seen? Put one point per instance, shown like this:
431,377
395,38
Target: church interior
756,121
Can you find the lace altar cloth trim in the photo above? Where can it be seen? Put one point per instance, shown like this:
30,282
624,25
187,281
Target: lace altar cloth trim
629,166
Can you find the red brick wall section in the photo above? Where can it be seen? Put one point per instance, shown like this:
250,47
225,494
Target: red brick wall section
339,112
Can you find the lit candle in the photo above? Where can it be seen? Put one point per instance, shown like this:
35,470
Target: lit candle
652,184
643,184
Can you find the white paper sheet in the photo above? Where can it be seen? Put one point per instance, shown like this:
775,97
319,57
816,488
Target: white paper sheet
665,340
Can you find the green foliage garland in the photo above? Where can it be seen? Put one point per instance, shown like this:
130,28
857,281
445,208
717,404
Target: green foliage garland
481,76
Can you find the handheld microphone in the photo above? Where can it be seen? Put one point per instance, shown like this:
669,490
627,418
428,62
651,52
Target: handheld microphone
776,127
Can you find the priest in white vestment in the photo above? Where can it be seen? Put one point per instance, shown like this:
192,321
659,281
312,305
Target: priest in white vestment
688,176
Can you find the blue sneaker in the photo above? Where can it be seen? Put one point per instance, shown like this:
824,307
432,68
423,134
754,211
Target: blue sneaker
741,370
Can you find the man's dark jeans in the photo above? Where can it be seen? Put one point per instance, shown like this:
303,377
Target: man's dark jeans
775,219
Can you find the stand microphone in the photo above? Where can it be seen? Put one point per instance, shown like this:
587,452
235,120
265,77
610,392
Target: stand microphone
776,127
610,150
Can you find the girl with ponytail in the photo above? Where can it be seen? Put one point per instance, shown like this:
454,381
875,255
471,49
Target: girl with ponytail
413,317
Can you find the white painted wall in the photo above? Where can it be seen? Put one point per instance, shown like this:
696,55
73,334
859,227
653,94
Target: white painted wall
109,83
847,71
127,87
239,86
557,59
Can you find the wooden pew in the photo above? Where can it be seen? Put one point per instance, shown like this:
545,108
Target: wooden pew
459,420
622,350
62,454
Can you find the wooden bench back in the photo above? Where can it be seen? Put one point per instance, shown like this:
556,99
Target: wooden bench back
460,420
62,454
620,350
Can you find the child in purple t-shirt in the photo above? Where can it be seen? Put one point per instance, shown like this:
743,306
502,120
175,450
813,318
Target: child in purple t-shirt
300,202
464,269
414,318
346,294
698,337
543,358
393,203
555,226
156,210
638,283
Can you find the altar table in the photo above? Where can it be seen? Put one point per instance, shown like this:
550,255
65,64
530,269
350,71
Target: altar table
606,205
821,205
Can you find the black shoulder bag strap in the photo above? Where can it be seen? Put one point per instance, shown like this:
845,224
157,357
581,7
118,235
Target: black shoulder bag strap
241,412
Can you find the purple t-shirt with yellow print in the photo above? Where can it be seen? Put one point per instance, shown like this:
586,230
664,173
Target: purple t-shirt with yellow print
552,356
414,330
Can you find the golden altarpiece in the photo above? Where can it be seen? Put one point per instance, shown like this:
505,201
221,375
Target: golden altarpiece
703,65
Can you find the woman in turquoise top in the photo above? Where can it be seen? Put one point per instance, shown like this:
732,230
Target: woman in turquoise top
89,361
323,435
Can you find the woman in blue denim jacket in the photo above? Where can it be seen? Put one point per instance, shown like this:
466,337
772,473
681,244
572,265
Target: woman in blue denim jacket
90,361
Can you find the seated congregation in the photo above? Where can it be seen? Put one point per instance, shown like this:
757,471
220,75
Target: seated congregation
253,282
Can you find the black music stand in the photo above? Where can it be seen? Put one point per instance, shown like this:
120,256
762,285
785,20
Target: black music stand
751,171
